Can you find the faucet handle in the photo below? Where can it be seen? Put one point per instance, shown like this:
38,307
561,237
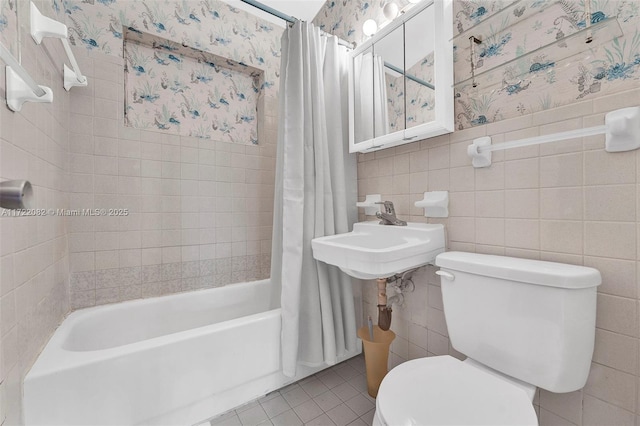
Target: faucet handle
388,207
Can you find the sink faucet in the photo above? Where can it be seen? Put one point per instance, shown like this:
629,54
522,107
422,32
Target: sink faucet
388,217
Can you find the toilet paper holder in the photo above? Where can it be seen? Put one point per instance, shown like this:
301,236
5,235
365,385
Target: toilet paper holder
15,194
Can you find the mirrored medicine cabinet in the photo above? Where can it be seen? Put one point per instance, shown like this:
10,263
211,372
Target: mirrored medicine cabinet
401,80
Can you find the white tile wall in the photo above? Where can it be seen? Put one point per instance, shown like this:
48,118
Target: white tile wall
34,262
568,202
200,211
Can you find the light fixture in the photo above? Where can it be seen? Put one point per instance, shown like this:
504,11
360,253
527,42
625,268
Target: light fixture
369,27
390,10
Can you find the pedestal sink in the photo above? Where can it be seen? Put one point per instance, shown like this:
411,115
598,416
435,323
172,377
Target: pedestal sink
374,251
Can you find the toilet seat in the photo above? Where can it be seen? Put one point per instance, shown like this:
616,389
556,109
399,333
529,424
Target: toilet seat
445,391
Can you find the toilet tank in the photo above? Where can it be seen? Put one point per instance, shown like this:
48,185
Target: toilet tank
529,319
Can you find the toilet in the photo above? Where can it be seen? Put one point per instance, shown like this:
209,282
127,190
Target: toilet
521,323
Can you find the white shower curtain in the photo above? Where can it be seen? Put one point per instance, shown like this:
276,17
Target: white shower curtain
315,196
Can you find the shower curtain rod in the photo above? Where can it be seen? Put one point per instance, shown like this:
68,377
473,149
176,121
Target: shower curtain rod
270,10
290,19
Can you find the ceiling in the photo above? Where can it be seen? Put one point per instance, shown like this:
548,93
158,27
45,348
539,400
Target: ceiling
304,10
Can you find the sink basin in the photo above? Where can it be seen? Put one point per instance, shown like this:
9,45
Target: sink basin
374,251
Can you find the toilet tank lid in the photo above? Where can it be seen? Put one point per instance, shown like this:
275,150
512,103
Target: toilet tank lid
523,270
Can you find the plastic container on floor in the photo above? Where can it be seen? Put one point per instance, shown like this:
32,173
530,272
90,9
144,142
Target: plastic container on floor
376,356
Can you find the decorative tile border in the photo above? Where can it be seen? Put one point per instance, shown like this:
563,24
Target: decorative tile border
104,286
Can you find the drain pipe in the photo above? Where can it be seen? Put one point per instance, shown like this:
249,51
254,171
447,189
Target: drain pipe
403,282
384,311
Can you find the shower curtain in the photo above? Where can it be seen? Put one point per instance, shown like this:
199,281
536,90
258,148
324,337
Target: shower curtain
315,196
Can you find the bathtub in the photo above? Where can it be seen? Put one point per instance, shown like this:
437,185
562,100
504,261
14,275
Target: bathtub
176,359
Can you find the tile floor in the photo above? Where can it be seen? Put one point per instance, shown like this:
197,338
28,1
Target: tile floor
335,396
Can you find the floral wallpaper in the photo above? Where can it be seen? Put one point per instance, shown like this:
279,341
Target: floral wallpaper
9,25
344,18
178,89
395,101
550,77
216,102
420,98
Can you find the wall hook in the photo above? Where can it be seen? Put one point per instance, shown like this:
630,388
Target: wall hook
42,26
19,92
435,204
370,205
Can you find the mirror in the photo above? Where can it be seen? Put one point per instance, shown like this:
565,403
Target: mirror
363,118
419,79
388,77
401,83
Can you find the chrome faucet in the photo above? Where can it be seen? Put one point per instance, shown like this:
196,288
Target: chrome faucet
388,217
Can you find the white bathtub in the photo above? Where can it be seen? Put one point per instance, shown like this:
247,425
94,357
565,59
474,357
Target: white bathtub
177,359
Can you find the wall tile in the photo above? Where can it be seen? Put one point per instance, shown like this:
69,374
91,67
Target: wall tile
602,168
563,113
418,182
458,154
489,204
107,259
462,179
107,295
561,203
568,406
561,236
547,418
439,180
511,125
401,184
439,157
610,239
522,203
462,204
490,178
82,299
617,314
612,386
618,276
419,162
561,170
522,233
81,261
598,413
623,99
8,319
462,229
567,146
616,351
437,343
436,322
610,203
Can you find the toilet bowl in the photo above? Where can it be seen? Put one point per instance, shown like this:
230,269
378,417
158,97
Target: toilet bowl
445,391
522,324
